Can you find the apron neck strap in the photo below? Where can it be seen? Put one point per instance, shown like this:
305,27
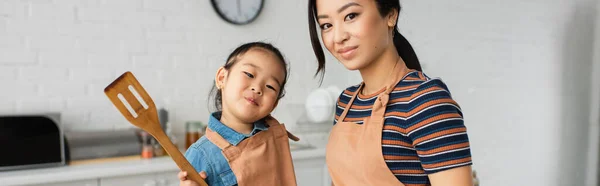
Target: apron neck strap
383,97
400,74
271,121
349,105
379,107
220,142
217,139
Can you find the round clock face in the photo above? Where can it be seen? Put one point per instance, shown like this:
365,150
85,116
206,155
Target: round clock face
238,11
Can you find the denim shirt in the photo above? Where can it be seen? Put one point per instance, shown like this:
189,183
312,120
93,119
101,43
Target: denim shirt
206,156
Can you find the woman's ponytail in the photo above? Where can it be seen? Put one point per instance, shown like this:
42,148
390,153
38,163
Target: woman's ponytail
406,51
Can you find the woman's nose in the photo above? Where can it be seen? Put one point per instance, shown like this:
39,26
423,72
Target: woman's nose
340,35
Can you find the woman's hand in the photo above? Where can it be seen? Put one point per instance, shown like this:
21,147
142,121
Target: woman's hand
183,181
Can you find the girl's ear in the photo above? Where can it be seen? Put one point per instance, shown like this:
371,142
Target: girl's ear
220,77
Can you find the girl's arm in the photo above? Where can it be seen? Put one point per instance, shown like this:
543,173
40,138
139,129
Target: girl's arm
197,159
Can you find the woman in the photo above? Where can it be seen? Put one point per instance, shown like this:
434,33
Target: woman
397,127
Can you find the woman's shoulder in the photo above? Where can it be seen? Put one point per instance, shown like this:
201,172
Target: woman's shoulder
348,91
420,81
414,81
352,88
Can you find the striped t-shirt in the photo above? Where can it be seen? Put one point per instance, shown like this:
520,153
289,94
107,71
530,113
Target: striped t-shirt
423,131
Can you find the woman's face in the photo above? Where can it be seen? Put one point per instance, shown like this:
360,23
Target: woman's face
354,31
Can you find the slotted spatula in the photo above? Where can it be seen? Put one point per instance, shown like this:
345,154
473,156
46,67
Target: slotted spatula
140,111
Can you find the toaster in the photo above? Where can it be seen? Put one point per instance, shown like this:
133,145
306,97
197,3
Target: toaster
31,141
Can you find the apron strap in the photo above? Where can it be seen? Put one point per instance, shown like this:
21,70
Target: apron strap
271,121
217,139
382,100
349,105
223,144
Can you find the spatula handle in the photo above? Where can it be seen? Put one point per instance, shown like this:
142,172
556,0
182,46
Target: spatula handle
179,159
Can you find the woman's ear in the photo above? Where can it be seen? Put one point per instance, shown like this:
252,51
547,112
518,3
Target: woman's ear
220,77
392,18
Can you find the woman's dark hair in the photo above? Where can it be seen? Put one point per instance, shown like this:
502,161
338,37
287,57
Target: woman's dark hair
233,58
405,50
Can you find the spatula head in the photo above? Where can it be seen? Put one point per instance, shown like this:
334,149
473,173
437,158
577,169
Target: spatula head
130,98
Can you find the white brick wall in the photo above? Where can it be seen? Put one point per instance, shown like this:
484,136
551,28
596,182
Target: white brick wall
57,56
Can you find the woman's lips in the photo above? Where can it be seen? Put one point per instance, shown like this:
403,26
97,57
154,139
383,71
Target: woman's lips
347,52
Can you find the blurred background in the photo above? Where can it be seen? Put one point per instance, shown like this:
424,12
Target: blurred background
526,74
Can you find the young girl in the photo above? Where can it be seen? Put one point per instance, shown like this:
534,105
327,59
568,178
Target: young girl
398,126
243,144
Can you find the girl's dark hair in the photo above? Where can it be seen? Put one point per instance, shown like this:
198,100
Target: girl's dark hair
405,50
233,58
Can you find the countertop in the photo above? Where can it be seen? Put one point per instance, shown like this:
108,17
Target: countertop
130,166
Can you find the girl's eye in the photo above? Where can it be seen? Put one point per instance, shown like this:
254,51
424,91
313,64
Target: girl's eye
271,87
249,75
325,26
350,16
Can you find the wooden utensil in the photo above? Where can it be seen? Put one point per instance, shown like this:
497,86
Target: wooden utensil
142,113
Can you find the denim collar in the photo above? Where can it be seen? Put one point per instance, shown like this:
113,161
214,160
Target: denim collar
229,134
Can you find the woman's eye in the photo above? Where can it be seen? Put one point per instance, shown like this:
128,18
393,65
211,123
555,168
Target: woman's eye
351,16
249,75
325,26
271,87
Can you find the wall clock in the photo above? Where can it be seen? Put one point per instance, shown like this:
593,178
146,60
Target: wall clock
239,12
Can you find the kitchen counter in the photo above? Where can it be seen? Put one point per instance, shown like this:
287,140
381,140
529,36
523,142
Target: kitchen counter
130,166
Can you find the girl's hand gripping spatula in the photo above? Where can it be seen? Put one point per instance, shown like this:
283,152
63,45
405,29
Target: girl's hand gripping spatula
142,113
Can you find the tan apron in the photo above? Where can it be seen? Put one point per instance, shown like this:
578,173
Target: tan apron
262,159
354,155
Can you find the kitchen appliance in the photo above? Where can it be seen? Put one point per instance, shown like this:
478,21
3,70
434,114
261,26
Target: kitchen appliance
320,104
31,141
84,145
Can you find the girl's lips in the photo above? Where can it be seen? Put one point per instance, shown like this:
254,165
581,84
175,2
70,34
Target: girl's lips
252,100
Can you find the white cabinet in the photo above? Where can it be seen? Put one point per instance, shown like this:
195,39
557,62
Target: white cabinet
311,172
151,179
93,182
308,173
168,178
309,166
130,180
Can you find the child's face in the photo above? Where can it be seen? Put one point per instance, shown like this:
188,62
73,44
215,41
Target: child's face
250,88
